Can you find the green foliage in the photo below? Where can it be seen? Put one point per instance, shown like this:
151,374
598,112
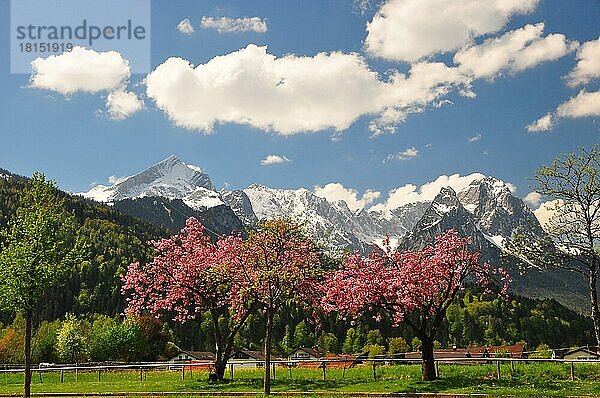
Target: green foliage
374,337
37,251
328,342
397,345
542,351
72,340
44,342
354,341
415,344
302,337
374,350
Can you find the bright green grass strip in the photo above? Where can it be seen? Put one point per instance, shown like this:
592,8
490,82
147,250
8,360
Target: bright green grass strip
542,379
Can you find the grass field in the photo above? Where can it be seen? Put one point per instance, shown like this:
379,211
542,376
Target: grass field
543,379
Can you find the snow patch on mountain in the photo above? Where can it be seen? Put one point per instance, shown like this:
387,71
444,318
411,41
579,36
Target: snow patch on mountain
203,198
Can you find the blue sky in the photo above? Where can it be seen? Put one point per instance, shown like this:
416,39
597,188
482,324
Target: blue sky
74,140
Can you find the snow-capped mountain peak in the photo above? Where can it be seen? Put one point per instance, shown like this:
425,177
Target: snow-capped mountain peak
170,178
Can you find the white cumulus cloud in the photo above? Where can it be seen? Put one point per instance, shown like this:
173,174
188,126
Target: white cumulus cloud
408,153
408,30
234,25
410,193
512,52
335,192
544,123
121,104
584,104
80,70
293,94
533,199
185,27
588,64
274,159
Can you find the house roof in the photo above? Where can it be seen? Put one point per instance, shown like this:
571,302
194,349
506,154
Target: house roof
258,355
310,351
200,355
582,349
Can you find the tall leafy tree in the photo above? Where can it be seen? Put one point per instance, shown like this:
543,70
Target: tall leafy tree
37,254
414,287
572,236
277,264
189,275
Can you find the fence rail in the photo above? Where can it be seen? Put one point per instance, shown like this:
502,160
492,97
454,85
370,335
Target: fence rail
285,363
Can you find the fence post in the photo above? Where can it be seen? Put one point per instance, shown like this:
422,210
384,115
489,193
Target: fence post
76,375
183,373
290,367
231,370
62,376
141,373
273,366
40,373
436,366
572,371
512,366
324,370
374,370
498,369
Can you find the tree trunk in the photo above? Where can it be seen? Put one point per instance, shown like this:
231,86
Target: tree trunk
268,331
427,360
28,316
220,359
594,302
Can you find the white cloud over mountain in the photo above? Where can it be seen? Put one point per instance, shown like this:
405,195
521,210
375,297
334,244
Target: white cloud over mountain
335,192
234,25
80,70
409,30
410,193
533,199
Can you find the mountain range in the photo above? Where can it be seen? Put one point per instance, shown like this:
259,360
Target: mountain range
169,192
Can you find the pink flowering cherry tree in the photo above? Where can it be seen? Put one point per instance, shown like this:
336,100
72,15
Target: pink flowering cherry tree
190,275
415,287
277,264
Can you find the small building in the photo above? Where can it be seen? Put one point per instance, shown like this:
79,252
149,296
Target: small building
247,359
581,353
304,354
189,356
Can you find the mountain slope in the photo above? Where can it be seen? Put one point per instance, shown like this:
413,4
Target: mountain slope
170,178
168,193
